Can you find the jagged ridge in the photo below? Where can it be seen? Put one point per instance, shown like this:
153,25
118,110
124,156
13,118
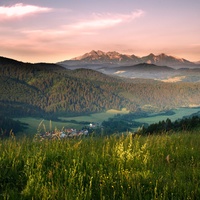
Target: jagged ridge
100,57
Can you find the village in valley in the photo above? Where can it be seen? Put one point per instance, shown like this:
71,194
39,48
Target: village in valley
68,133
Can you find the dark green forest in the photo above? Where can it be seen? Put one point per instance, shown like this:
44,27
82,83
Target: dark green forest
9,126
185,124
49,90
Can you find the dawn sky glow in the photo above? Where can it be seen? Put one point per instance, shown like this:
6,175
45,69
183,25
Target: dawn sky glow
52,31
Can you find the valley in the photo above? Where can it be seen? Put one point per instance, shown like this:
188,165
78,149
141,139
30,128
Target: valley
81,121
74,96
67,122
174,115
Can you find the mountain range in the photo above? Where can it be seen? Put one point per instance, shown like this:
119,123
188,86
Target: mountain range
158,67
99,58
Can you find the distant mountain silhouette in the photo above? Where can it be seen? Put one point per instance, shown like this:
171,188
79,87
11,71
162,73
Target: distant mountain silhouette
115,58
109,57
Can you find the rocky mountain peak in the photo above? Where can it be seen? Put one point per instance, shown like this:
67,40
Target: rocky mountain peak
113,57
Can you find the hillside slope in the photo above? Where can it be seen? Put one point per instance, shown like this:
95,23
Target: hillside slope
51,90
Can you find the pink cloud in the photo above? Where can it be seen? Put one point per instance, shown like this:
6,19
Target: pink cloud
82,27
19,10
44,41
67,34
106,20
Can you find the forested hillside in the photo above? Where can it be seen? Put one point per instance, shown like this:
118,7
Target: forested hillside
50,90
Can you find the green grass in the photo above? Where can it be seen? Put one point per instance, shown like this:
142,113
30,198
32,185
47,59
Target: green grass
97,117
179,114
116,167
34,123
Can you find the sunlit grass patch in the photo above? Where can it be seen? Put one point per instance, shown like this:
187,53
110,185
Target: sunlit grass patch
116,167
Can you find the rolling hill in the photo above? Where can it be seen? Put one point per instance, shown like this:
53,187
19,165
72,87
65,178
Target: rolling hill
50,90
152,71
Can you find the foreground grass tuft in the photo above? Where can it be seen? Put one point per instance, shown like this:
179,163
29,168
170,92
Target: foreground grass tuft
116,167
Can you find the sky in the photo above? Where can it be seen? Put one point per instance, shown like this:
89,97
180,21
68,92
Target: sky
53,31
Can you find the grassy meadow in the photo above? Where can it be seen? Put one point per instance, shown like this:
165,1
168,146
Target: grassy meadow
99,117
34,123
179,113
96,118
101,168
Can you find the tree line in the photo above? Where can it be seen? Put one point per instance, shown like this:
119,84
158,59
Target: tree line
185,124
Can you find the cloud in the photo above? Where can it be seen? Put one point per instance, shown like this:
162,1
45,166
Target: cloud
19,10
90,26
50,38
69,34
106,20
